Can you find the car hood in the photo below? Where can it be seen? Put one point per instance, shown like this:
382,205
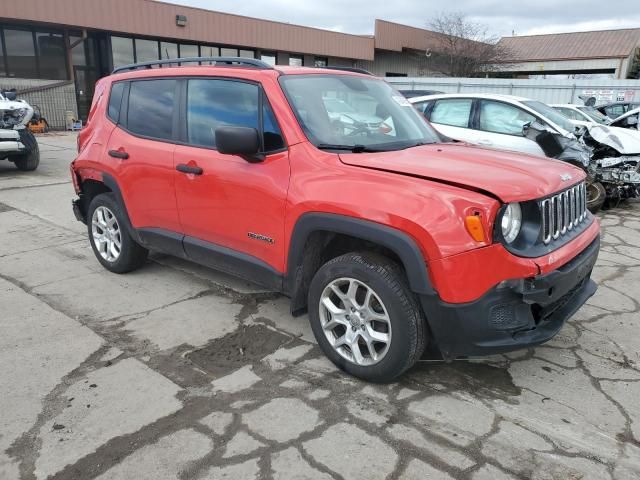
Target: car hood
510,176
623,140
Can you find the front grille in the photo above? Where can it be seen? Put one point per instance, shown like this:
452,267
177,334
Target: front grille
563,212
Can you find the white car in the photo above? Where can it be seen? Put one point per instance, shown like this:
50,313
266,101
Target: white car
582,114
630,120
491,120
17,143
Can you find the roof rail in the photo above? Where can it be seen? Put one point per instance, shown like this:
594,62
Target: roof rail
228,61
349,69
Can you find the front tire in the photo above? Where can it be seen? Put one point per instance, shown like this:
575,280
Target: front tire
29,161
596,196
110,239
365,318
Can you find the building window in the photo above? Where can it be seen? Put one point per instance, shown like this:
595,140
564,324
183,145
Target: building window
122,51
296,60
51,55
189,51
168,50
146,50
320,62
21,53
208,51
268,57
247,54
229,52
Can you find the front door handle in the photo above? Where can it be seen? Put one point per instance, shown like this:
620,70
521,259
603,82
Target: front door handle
189,169
121,154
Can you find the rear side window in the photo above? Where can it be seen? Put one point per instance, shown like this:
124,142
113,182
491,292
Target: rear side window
454,112
216,103
115,100
151,107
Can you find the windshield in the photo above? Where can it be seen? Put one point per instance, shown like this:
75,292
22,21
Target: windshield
354,113
550,114
595,115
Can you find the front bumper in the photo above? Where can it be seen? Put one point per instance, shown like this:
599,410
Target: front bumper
10,142
514,314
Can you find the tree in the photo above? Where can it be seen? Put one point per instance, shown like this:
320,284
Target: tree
464,48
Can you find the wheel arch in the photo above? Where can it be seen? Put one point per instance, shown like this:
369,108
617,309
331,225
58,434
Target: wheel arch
318,237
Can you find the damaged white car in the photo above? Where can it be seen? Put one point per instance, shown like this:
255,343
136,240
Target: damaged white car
17,143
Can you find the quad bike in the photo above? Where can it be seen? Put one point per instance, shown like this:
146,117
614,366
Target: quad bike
17,142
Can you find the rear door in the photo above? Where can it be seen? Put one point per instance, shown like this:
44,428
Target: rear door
231,207
140,151
452,118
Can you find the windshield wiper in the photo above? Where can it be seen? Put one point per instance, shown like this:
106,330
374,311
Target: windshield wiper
349,148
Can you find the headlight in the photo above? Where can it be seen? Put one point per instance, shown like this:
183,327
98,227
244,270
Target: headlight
511,222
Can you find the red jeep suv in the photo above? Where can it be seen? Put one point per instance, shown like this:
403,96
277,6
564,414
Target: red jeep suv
326,185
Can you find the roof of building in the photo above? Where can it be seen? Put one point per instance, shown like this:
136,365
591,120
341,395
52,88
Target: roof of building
158,19
570,46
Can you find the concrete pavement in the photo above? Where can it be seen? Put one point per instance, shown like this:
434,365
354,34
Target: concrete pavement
179,372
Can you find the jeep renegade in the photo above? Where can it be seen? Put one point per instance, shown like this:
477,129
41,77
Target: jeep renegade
326,185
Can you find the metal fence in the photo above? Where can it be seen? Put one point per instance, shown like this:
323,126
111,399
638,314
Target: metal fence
544,90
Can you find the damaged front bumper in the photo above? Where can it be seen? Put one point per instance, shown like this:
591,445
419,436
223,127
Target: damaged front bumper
515,314
10,143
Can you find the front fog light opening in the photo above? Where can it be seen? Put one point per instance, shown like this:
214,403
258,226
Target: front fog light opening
511,222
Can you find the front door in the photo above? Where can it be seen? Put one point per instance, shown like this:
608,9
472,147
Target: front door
231,203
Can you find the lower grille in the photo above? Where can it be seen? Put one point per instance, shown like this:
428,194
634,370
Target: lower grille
563,212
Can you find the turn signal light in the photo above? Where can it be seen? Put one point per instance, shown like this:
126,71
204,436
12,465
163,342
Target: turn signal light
475,227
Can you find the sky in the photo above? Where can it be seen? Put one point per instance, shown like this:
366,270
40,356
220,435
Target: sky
501,17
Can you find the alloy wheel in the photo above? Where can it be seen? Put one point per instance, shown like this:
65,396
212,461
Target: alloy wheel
355,321
107,235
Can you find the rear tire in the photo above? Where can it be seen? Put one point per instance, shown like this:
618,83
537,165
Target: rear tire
110,238
29,161
385,317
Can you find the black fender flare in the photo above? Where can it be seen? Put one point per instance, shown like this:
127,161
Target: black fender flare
404,246
112,184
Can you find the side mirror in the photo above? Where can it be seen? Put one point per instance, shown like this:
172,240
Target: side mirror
242,141
525,128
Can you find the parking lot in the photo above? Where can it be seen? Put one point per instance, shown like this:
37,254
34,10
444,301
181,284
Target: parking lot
177,371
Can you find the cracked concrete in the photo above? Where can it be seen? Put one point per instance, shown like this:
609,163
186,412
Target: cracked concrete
180,372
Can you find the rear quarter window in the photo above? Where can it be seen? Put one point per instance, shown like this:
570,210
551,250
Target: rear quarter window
115,101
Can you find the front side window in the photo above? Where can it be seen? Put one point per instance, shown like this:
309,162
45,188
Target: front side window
499,117
354,113
151,107
217,103
570,114
594,114
454,112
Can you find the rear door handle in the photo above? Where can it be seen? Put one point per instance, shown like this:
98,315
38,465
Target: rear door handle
121,154
189,169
